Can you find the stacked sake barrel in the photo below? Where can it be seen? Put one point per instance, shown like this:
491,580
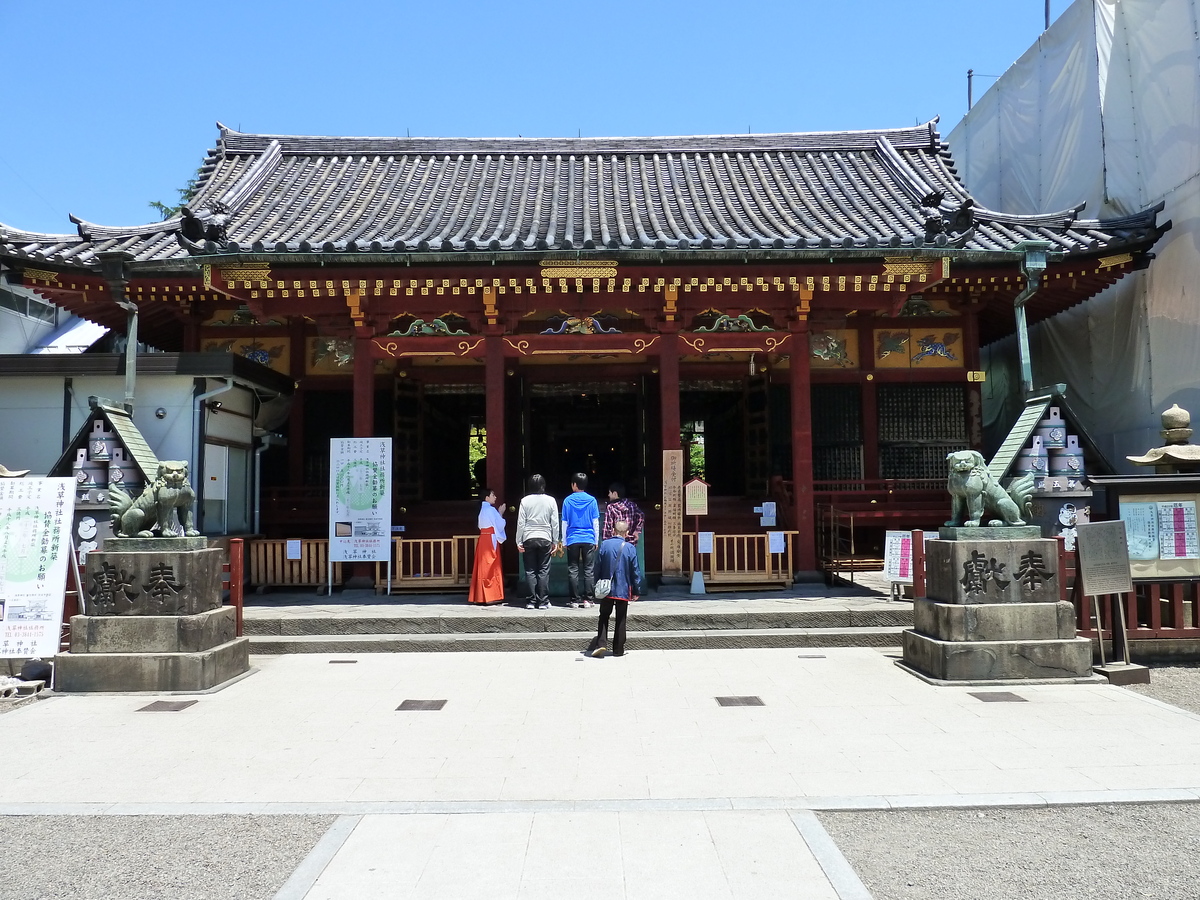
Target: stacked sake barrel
1053,457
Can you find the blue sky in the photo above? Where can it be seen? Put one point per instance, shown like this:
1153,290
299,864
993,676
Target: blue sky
111,105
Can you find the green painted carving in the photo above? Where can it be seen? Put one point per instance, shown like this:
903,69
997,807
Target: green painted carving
734,323
419,327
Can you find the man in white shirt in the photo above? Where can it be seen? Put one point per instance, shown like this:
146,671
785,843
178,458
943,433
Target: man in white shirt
538,532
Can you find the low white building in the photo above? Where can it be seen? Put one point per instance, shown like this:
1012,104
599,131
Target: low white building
213,410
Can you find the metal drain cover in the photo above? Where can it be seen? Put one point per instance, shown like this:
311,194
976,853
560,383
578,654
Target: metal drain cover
420,704
740,701
168,705
999,697
342,662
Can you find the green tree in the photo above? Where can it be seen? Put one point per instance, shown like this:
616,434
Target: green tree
186,194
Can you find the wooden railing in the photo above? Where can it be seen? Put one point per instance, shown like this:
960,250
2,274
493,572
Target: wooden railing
270,567
741,559
421,564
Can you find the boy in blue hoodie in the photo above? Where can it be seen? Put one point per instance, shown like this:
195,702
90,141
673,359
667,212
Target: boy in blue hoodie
581,536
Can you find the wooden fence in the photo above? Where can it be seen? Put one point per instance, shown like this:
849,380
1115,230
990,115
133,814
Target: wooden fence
270,567
422,564
741,560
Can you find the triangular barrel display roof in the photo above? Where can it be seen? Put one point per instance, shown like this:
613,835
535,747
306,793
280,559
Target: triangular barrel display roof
782,194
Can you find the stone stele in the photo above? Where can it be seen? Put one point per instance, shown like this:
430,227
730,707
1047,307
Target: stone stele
992,611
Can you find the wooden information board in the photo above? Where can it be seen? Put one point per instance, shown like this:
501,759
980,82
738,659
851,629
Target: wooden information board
672,513
695,498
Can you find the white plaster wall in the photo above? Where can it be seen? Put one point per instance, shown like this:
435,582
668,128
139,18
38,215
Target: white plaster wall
31,416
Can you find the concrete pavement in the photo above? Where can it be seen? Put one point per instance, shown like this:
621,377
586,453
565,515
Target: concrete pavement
550,774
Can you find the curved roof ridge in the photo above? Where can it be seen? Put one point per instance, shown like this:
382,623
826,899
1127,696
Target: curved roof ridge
10,233
91,230
924,135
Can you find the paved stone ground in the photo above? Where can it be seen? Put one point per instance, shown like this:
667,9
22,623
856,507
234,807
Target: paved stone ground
550,775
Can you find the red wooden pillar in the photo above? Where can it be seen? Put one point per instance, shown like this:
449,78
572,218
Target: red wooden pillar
668,388
364,388
802,456
295,449
494,411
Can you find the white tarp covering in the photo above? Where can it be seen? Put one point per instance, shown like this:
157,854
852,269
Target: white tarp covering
1103,109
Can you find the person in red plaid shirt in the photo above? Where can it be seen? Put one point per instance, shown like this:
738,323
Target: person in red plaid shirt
621,509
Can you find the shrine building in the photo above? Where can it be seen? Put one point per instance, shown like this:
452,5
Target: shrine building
800,314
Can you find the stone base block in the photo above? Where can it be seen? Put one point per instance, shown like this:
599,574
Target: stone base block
990,532
994,660
992,571
1125,673
157,582
994,621
155,544
158,672
153,634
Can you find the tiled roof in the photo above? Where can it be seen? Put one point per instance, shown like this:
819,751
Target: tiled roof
771,192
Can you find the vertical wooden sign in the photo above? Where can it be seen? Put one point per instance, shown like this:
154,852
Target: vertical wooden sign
672,513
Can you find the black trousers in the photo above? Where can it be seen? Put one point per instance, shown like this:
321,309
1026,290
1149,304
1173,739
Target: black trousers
537,569
581,561
606,607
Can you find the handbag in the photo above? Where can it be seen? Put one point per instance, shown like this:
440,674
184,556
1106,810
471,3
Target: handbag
603,588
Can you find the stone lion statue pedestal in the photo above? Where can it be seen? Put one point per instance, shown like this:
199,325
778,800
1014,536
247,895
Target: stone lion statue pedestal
153,616
992,613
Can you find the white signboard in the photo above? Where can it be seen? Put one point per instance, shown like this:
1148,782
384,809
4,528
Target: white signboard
360,499
1177,537
1104,558
776,542
704,542
1141,525
35,524
897,556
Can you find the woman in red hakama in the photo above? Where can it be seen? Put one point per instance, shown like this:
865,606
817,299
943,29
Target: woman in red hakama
487,577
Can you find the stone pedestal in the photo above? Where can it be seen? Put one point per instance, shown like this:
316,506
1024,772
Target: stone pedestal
153,577
992,611
154,621
153,653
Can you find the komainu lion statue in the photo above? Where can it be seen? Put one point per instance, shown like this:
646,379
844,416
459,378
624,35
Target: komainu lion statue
164,506
974,492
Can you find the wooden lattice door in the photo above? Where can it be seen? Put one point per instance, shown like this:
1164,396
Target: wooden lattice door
757,435
406,474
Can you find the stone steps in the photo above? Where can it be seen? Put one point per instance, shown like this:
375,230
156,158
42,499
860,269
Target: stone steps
577,639
509,620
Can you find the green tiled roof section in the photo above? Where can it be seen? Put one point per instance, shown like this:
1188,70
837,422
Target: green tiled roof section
1019,434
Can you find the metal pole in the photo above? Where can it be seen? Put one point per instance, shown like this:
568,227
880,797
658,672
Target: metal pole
970,74
1047,15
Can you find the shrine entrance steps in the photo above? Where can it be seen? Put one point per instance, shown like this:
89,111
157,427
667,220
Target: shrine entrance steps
359,622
